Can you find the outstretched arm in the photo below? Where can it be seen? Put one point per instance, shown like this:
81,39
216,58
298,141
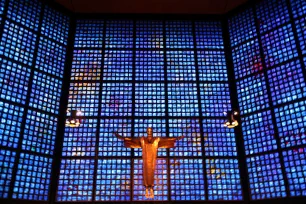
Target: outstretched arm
118,136
168,142
129,142
180,137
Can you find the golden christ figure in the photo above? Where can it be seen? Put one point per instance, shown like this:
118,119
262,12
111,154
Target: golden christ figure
149,146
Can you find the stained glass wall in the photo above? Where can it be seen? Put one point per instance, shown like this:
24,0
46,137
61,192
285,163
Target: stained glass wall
32,58
268,48
128,75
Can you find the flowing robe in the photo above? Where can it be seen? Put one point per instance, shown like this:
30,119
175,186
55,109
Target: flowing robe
149,154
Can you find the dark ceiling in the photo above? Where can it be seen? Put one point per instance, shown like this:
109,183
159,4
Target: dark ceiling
152,6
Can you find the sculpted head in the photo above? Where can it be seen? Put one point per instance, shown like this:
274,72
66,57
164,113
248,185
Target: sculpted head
150,133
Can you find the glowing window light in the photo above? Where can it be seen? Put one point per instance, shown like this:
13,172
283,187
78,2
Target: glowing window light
179,34
119,34
265,176
298,8
258,133
242,27
149,34
46,93
286,82
182,99
25,12
80,141
89,33
10,126
291,124
209,34
40,133
32,177
7,159
18,43
109,145
212,65
190,145
76,180
149,65
51,57
223,179
218,140
294,162
113,180
187,179
55,25
14,81
271,14
149,99
181,66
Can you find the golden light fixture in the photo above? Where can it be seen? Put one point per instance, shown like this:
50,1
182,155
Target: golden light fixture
231,120
73,121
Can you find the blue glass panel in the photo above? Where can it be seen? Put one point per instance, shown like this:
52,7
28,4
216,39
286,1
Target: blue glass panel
109,145
252,94
32,178
295,162
14,81
149,65
183,100
258,133
160,181
89,33
86,65
150,99
2,4
190,145
25,12
7,159
113,180
271,13
80,141
51,57
149,34
246,59
116,99
119,34
212,66
11,118
84,97
279,45
179,34
291,124
46,93
118,65
187,179
223,179
209,34
76,180
181,66
298,7
159,130
40,133
215,99
300,25
287,82
218,140
242,27
265,176
55,25
17,43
